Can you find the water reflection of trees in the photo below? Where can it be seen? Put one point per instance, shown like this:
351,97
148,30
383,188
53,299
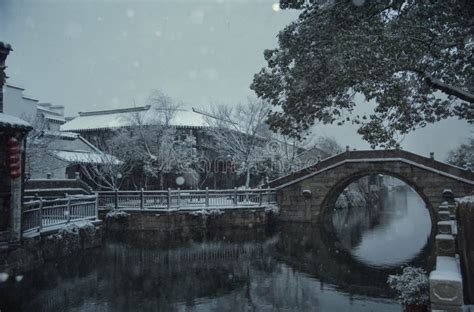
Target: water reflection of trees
212,276
385,205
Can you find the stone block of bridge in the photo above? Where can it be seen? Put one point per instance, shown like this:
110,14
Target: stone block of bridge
445,227
451,208
445,245
446,289
444,215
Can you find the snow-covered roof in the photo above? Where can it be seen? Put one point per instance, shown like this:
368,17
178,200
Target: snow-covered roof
9,121
127,117
61,134
85,157
54,118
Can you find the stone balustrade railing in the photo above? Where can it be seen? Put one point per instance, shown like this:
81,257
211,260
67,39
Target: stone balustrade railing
446,281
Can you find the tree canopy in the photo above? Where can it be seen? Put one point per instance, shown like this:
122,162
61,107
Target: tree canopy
412,58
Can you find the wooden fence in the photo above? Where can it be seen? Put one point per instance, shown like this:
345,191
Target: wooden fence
39,214
186,199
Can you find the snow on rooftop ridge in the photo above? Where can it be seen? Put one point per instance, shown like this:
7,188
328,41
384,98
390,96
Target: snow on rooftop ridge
14,87
61,134
12,121
47,109
55,118
29,98
115,111
85,157
117,118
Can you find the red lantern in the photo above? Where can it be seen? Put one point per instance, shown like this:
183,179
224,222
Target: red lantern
13,150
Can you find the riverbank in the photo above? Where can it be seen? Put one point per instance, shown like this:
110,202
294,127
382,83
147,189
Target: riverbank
65,241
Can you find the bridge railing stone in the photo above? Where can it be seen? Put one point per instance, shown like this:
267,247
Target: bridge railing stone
446,281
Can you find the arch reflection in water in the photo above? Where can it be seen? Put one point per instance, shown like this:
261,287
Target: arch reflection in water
381,221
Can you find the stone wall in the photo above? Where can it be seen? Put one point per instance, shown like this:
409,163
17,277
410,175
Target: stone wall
465,217
183,225
34,251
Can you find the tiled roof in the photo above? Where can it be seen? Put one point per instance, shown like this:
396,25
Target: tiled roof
9,121
117,118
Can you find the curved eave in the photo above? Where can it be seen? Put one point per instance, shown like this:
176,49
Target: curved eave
13,123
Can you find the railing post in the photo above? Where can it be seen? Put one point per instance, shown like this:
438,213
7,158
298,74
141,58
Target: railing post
40,214
141,199
169,199
96,205
235,196
178,201
116,199
260,198
207,197
68,209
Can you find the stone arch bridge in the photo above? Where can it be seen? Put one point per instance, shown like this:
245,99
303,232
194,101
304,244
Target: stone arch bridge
329,177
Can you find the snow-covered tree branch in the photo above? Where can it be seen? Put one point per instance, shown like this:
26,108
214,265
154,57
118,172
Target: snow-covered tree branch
240,133
412,59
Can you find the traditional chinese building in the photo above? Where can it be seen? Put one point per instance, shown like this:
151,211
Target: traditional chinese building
13,132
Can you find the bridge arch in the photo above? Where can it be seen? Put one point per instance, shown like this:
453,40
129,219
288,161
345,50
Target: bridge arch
331,196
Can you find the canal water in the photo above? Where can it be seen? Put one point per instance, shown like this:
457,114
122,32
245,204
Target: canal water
293,267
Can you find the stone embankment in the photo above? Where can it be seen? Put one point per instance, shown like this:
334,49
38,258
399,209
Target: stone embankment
187,224
50,246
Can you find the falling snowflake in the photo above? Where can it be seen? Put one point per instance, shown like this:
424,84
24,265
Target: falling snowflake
197,16
130,13
192,74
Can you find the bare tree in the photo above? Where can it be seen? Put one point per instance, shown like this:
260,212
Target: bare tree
285,154
240,133
37,144
327,146
105,170
157,147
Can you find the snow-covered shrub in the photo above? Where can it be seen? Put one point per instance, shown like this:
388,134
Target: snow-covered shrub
350,197
69,229
411,286
273,208
86,229
209,212
116,215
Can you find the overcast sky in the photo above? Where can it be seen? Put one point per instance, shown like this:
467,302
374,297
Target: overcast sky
93,55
